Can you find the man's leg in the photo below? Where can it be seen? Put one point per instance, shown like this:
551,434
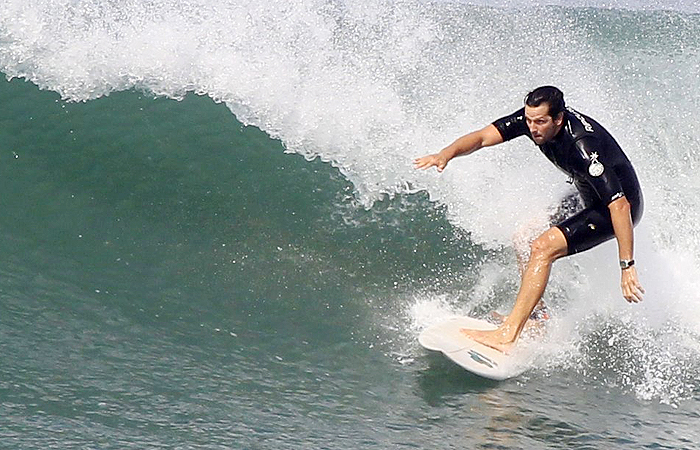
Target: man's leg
546,249
522,243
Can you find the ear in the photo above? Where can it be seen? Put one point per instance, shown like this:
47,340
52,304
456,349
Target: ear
559,119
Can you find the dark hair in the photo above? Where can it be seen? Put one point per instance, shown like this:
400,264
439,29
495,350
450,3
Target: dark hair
549,95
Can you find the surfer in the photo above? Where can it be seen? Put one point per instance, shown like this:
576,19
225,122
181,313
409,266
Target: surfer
603,177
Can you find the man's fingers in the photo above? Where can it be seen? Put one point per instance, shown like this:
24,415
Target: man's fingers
423,163
427,162
632,289
633,294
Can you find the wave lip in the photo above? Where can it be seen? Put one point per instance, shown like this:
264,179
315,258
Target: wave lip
368,86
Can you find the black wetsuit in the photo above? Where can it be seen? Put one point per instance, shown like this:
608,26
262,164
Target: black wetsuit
596,165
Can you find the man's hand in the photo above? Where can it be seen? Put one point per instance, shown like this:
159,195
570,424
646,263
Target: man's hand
469,143
438,160
632,290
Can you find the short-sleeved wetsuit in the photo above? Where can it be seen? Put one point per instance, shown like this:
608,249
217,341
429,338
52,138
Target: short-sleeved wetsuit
597,166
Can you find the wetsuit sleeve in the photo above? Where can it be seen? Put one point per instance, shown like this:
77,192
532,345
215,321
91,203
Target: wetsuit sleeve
512,126
598,171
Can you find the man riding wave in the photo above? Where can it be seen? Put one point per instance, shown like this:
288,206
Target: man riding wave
603,176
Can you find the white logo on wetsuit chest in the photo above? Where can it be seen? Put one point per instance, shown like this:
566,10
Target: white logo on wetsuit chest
596,168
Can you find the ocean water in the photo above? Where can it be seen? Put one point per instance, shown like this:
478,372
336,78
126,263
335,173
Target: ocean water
212,235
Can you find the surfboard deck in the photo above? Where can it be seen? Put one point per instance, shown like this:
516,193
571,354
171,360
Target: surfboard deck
477,358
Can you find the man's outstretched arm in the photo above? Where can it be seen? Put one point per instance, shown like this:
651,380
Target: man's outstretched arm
465,145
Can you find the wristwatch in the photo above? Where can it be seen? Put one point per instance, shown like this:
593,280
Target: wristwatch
626,263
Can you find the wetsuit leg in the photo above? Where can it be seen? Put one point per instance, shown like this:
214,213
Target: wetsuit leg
593,226
586,229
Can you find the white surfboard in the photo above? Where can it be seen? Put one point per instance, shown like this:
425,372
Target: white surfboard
477,358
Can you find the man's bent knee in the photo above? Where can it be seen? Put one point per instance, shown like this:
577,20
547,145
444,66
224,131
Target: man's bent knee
550,245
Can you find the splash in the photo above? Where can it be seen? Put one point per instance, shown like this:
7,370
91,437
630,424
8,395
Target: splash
369,85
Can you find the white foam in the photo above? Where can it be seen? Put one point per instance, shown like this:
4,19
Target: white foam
369,85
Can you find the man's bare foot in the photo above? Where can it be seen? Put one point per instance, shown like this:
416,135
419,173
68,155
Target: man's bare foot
535,324
538,316
497,317
496,339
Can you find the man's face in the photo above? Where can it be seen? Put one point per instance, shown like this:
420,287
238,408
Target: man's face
542,126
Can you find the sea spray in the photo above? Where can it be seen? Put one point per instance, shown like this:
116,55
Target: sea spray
367,86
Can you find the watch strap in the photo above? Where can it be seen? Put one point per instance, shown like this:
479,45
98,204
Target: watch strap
626,263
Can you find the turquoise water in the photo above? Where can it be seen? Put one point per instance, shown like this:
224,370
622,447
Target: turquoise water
212,235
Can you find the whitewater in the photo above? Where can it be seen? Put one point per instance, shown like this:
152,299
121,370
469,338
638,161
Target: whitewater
361,88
